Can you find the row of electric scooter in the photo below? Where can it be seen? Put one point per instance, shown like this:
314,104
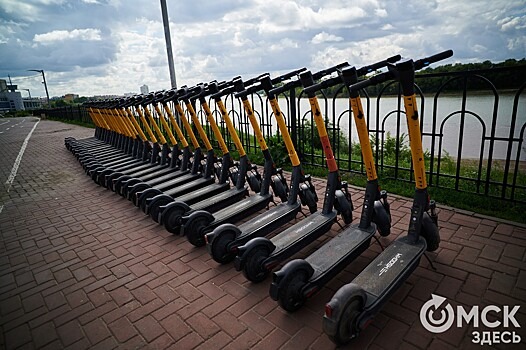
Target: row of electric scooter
193,191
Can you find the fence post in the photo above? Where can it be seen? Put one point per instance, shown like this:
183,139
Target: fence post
293,118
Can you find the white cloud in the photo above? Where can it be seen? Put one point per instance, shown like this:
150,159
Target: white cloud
123,44
512,23
61,35
325,37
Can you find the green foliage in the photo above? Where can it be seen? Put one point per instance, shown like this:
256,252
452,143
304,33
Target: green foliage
17,114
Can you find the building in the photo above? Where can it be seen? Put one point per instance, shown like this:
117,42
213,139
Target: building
70,97
10,99
32,103
144,89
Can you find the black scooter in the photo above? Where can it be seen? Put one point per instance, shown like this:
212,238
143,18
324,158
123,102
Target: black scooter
355,304
123,146
223,242
118,183
160,199
139,192
186,165
200,222
104,175
171,215
260,255
300,279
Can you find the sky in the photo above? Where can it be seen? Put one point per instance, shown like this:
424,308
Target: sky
100,47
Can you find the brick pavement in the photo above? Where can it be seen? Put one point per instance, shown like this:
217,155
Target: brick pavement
80,267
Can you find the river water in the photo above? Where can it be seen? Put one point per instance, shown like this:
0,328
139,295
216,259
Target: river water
477,122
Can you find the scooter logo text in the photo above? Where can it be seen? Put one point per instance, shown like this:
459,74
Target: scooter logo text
438,318
389,264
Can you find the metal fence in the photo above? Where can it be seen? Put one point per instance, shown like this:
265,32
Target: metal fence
474,139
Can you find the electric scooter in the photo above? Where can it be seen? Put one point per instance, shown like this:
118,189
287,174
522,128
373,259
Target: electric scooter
186,166
117,183
123,146
101,174
200,222
196,179
161,166
223,241
155,198
300,279
260,255
354,305
171,215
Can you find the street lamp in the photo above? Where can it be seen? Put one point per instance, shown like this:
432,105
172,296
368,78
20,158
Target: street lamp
29,92
44,78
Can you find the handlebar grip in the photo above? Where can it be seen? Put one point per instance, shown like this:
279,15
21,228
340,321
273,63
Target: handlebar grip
287,75
377,79
366,69
251,81
424,62
322,85
329,70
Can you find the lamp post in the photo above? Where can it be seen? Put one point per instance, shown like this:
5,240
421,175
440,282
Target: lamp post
44,82
166,23
29,92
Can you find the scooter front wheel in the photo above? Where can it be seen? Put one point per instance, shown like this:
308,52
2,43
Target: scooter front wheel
254,270
348,324
194,231
219,246
155,207
382,219
291,297
430,233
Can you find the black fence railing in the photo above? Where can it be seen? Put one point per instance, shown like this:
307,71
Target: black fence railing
473,133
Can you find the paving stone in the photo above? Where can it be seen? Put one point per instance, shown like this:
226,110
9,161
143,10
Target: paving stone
82,268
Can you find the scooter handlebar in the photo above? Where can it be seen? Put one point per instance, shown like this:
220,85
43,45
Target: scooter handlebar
424,62
296,83
372,67
330,70
419,64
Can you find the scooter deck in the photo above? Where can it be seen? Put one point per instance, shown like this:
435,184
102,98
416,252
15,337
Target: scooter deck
219,201
148,170
390,268
298,236
178,181
171,175
190,186
269,220
339,251
236,212
203,193
158,173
